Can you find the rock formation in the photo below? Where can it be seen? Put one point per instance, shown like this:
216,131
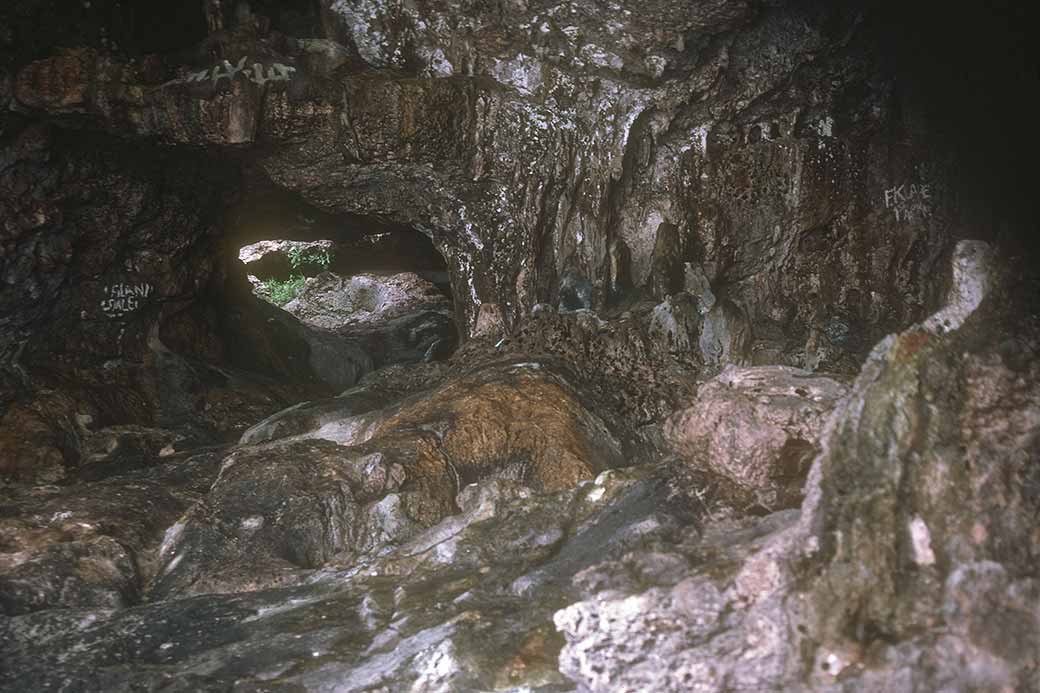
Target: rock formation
619,346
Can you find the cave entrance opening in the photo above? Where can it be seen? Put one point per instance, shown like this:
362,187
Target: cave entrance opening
287,272
332,297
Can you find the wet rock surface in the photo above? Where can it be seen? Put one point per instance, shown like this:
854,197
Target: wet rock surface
638,348
465,605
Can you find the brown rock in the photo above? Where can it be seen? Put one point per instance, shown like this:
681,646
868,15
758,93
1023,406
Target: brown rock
38,437
95,543
281,509
60,82
490,321
515,421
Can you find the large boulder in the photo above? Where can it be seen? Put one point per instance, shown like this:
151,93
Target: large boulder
519,418
758,428
281,509
320,418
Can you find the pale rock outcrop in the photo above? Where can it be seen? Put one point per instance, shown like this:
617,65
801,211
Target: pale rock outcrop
911,565
758,428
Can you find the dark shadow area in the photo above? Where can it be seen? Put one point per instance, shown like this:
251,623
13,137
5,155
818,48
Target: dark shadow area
125,27
969,72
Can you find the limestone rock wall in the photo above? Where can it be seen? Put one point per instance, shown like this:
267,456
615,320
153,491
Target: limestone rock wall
101,245
767,145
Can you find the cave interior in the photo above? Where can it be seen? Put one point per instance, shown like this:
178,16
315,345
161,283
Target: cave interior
539,345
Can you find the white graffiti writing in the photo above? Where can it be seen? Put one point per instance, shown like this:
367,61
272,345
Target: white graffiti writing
255,73
124,298
909,201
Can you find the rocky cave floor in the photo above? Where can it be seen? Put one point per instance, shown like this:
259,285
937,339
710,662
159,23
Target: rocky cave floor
503,520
